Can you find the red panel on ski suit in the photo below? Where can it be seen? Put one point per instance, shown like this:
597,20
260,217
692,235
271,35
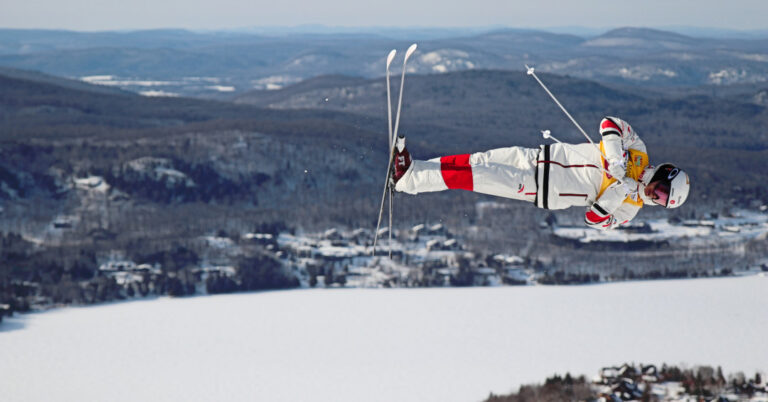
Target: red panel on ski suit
456,171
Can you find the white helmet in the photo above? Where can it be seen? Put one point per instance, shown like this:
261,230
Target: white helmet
673,185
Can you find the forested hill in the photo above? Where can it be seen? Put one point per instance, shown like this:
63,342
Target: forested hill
341,118
39,106
51,135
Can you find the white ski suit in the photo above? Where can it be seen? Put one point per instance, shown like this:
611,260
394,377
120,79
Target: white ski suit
554,176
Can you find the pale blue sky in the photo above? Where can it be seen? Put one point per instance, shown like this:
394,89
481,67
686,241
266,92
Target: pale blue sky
89,15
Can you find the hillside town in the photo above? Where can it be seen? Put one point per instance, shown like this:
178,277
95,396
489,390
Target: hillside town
425,255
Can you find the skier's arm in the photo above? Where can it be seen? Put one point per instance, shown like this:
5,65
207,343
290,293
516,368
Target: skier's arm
617,137
608,211
624,214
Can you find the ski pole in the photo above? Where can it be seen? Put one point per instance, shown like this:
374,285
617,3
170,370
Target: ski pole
628,181
532,73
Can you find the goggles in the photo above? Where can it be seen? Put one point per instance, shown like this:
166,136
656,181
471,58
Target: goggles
660,193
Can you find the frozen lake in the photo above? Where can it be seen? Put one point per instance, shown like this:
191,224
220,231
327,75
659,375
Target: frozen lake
377,345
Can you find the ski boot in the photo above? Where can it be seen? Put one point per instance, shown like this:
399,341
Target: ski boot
401,160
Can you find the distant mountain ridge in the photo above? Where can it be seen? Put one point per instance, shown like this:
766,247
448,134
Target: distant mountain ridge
28,41
175,61
62,82
644,38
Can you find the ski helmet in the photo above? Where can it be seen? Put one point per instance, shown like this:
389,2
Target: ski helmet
672,186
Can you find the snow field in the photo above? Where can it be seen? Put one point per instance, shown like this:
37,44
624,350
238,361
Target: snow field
448,344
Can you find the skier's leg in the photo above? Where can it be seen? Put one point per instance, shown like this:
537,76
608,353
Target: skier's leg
505,172
422,177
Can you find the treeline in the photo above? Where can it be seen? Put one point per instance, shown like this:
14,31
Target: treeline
261,272
201,183
32,279
554,389
561,277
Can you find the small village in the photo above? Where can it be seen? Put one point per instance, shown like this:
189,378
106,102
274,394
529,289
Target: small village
425,255
646,382
669,383
730,227
422,256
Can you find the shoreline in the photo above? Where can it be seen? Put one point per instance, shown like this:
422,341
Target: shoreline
15,318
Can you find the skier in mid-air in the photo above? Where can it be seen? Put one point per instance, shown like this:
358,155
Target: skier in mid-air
613,181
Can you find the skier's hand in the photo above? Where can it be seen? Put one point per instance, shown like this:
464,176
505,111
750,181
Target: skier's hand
597,217
618,168
611,199
632,187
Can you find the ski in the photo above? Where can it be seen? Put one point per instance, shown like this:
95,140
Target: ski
391,139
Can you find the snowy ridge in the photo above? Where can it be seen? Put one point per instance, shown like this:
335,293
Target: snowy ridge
445,60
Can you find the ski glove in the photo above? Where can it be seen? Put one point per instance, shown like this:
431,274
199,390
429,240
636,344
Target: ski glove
618,168
600,214
632,188
597,217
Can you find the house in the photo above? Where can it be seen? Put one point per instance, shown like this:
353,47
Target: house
443,275
451,244
332,234
436,230
516,275
385,250
117,265
418,229
148,269
485,277
260,238
5,310
360,236
503,259
123,278
433,244
609,373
